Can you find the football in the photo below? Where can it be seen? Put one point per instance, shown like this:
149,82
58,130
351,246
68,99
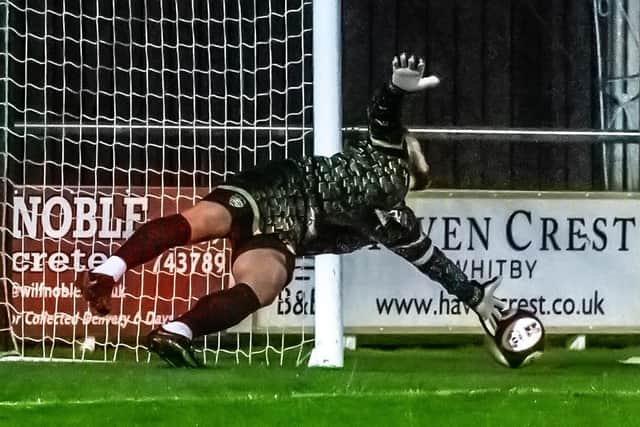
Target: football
519,339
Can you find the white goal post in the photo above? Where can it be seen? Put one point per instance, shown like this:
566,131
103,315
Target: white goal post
114,113
327,95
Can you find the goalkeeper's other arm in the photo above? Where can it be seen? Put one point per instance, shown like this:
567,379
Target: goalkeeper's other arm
385,108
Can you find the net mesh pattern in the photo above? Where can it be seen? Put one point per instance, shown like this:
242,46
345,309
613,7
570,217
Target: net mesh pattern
117,112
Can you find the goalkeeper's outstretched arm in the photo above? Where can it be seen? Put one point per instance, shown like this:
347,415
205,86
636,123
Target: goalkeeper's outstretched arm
399,230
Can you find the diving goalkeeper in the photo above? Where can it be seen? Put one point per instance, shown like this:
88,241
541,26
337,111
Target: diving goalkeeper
290,208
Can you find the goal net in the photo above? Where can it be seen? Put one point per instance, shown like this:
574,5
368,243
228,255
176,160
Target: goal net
118,112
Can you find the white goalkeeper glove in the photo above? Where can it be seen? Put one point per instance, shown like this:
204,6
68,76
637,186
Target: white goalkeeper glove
490,307
408,74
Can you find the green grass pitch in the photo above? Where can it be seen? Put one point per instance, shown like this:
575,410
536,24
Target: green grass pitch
408,387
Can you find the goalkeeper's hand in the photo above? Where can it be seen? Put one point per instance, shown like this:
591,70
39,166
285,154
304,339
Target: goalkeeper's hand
490,307
408,74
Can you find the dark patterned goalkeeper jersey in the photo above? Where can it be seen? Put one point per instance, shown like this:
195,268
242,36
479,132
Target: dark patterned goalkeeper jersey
336,204
326,204
341,203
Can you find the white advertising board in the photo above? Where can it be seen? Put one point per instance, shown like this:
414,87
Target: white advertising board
573,258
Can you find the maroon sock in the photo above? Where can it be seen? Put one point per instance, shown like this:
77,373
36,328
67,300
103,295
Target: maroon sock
153,238
220,310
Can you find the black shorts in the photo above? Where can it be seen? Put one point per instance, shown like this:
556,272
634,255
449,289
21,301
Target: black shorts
245,234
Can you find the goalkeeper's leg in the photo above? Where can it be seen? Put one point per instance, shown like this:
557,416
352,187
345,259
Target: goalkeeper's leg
261,269
205,220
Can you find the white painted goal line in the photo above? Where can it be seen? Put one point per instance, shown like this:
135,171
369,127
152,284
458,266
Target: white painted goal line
49,360
230,398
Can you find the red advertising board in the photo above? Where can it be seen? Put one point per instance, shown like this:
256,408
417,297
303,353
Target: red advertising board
60,231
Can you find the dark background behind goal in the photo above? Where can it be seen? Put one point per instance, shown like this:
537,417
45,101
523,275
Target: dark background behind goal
503,63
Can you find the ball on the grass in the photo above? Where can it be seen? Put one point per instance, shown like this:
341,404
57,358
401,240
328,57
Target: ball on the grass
519,339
